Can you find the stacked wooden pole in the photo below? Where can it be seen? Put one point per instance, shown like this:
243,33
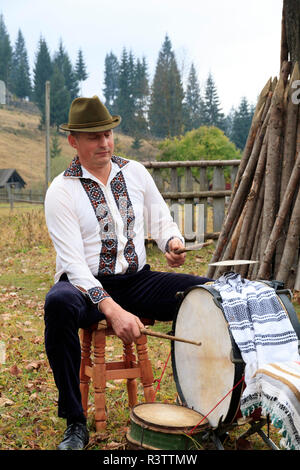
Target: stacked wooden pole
263,217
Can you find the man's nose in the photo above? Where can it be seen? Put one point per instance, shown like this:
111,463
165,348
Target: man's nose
102,141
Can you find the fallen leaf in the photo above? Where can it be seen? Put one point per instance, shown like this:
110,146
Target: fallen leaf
5,401
38,340
29,386
14,370
159,364
33,365
5,416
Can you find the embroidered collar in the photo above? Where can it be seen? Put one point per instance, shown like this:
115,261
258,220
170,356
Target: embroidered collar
75,170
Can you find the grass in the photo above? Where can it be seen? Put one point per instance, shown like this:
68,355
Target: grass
28,396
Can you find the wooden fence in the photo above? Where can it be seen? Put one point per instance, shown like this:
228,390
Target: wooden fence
11,195
188,187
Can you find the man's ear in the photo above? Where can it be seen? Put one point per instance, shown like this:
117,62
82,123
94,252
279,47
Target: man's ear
72,141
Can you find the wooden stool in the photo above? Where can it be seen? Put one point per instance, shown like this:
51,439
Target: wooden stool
101,371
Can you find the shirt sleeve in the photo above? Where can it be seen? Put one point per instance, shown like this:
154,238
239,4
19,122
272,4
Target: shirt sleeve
161,225
64,230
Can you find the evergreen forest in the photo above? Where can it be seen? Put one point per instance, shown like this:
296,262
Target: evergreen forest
164,107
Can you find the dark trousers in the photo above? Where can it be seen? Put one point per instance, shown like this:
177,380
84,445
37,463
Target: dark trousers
148,294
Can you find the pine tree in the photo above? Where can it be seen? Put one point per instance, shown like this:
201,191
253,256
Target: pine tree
192,102
42,73
241,124
20,83
166,103
59,98
125,101
212,114
140,91
111,81
5,52
228,123
80,68
63,62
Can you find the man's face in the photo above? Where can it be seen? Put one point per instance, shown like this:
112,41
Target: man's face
94,149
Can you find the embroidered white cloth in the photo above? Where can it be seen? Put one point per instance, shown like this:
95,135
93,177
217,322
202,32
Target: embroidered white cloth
279,388
261,329
100,229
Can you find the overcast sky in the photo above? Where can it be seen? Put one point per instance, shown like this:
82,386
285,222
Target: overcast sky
238,41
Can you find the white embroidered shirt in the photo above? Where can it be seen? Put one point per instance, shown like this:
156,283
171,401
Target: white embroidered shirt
100,229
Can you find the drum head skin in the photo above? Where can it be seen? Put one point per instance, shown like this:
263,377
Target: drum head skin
204,374
165,426
167,415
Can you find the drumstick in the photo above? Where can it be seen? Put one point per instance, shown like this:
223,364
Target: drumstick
198,246
164,336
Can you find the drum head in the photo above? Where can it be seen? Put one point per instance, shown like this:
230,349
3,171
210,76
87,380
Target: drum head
204,374
166,415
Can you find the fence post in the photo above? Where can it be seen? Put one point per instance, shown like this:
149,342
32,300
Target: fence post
157,176
218,203
174,207
203,201
233,174
10,196
189,209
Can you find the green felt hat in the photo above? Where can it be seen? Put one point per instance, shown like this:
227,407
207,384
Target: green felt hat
90,115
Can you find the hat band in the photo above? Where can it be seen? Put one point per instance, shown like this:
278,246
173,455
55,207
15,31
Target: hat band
91,124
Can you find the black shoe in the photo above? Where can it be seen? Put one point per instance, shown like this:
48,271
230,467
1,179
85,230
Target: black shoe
76,437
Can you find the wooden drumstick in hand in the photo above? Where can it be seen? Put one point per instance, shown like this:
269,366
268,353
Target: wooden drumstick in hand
164,336
196,247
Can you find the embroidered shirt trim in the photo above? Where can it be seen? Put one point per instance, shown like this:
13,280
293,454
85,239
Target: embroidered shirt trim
96,294
74,170
119,190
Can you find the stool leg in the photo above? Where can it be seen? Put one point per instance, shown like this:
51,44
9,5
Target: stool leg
129,360
99,378
86,340
146,368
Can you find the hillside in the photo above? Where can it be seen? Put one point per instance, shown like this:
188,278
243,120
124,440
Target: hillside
22,146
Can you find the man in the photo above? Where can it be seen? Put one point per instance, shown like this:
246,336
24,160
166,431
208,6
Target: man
96,213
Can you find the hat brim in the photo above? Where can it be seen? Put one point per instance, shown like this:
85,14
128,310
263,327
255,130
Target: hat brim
116,120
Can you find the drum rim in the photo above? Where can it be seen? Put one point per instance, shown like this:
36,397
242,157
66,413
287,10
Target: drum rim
238,367
281,292
169,429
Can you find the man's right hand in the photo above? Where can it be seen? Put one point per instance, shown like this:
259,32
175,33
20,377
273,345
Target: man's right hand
125,325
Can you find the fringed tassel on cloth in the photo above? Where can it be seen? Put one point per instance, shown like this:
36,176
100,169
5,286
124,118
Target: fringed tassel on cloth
279,390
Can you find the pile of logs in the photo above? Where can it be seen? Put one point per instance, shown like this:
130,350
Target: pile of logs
263,217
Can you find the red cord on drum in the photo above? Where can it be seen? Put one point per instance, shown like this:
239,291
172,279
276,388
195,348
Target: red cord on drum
236,385
220,401
159,380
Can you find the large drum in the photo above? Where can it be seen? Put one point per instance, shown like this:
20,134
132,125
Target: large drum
165,426
205,374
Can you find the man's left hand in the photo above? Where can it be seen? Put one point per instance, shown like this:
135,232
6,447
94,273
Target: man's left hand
174,260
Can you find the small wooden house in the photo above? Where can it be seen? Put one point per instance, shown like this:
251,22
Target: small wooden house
10,177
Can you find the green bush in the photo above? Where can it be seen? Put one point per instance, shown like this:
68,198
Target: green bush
204,143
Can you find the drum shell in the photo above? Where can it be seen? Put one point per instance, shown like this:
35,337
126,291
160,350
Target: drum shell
235,356
151,436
